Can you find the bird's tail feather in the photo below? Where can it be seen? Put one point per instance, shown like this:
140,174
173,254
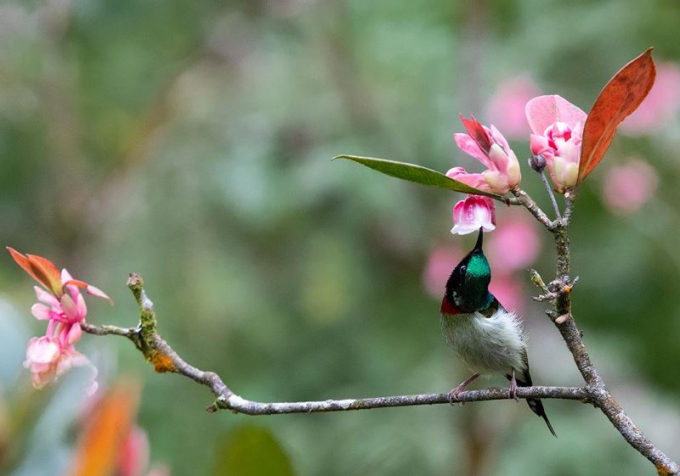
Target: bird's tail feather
524,380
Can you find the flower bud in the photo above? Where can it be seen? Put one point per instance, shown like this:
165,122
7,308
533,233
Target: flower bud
537,162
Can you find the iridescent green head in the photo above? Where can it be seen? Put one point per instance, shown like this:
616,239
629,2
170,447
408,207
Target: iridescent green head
468,286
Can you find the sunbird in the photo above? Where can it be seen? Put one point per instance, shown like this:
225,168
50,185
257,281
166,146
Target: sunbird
482,333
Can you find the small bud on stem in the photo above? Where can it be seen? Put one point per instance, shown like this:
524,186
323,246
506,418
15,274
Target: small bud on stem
537,162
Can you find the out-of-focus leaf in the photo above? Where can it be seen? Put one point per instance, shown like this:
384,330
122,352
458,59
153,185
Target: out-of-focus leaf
620,97
414,173
252,451
106,427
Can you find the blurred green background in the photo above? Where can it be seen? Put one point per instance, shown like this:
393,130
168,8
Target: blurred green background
190,142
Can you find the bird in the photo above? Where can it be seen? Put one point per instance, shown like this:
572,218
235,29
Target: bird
486,337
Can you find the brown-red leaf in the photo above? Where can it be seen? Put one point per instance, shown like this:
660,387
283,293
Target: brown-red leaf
620,97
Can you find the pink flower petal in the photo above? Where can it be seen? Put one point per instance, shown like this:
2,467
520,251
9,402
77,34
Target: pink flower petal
69,307
89,289
41,350
473,180
543,111
470,147
74,334
41,312
96,292
473,213
46,297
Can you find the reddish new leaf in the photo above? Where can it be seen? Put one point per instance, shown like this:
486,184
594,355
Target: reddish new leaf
40,269
620,97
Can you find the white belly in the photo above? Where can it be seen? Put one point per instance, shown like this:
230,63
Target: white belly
487,345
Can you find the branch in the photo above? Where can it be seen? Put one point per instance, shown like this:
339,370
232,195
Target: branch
559,291
164,359
525,200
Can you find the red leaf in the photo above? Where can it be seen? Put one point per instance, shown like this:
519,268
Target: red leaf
620,97
40,269
47,272
23,261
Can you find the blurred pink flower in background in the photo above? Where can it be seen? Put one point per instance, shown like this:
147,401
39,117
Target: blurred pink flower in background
508,289
627,187
134,454
515,245
440,264
557,127
488,146
473,213
506,108
660,105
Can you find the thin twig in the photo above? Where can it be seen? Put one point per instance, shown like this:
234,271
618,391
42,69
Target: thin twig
544,179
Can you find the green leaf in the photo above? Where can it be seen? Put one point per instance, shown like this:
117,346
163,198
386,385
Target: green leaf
415,173
252,451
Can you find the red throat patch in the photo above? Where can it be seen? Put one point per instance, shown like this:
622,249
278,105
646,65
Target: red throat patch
449,308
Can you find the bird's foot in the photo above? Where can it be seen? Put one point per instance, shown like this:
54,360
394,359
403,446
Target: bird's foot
455,393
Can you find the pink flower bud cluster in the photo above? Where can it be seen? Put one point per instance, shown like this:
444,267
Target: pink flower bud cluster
63,307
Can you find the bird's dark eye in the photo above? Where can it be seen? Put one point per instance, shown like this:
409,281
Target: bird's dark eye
463,269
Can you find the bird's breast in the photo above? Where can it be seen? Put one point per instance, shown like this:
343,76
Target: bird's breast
486,344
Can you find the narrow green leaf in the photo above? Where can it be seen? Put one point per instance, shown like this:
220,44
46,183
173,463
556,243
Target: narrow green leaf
415,173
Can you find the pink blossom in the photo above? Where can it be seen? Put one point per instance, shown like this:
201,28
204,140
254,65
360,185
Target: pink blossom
63,307
506,107
473,213
627,187
662,102
438,268
515,245
47,359
557,127
489,147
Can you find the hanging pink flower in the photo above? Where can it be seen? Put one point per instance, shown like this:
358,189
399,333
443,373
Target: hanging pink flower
473,213
628,187
63,307
557,127
489,147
